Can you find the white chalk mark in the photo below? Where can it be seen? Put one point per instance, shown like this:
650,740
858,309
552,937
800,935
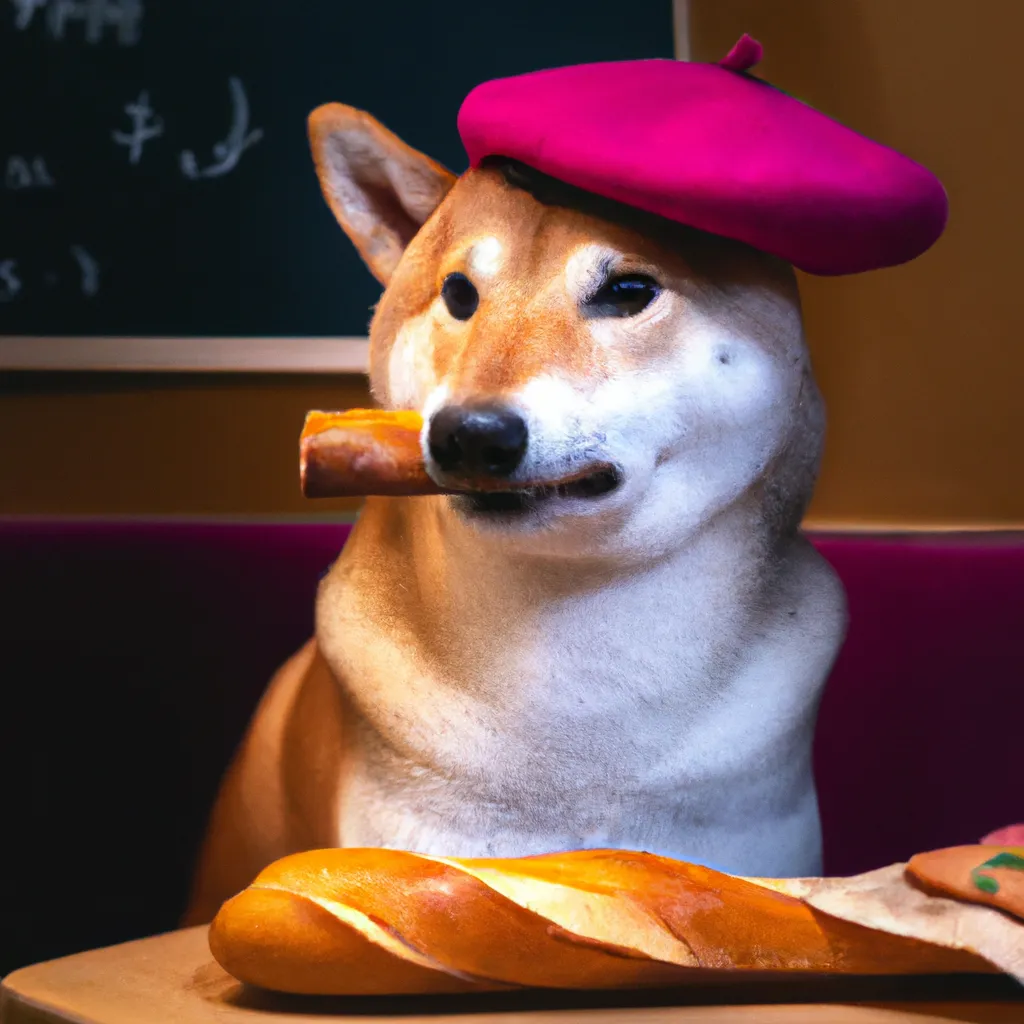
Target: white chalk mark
124,16
229,150
10,283
41,173
90,270
142,130
25,11
19,174
22,173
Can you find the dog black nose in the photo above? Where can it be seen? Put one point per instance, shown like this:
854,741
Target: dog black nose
477,439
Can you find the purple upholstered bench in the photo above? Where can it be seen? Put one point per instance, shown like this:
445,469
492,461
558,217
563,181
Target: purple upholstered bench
134,653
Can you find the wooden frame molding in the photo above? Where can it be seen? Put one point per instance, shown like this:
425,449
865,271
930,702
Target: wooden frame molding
199,355
681,28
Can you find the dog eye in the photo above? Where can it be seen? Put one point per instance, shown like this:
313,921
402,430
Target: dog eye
460,296
626,295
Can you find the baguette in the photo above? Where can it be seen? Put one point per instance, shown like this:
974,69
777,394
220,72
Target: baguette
363,452
374,922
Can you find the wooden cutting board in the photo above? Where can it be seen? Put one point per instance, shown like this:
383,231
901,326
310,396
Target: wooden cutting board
172,979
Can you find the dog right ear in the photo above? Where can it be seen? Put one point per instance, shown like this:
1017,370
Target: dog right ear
380,190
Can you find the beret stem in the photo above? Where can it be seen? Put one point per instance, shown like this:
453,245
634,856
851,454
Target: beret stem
747,53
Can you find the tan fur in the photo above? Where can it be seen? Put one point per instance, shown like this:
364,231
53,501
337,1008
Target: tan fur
526,322
615,675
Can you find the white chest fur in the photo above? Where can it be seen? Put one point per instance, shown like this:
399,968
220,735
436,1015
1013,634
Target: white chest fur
671,711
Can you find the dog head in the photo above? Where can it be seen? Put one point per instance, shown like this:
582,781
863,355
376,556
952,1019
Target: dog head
594,379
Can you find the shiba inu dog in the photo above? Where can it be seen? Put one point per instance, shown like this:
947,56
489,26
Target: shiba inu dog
627,652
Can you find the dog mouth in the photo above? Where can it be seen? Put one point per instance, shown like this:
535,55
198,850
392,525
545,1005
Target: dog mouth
518,500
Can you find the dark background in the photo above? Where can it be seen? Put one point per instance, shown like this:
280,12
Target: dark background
255,251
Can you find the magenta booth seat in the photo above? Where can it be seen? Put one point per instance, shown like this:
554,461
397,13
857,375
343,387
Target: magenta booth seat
135,653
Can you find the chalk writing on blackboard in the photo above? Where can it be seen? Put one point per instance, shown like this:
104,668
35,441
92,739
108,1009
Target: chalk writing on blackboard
27,172
90,270
122,17
13,283
73,265
10,282
229,150
145,126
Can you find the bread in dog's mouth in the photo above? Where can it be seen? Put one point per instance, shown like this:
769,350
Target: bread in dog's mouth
514,499
375,452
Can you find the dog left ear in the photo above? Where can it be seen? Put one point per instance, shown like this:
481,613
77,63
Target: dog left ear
380,190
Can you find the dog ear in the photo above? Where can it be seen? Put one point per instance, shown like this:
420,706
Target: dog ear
380,190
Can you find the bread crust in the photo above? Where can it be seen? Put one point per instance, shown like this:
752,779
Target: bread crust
376,921
363,452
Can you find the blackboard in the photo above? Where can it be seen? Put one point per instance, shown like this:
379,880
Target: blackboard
156,174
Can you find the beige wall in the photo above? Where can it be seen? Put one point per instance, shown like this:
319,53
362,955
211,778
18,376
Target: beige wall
922,366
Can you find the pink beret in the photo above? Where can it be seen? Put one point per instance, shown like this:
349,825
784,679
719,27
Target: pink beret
713,147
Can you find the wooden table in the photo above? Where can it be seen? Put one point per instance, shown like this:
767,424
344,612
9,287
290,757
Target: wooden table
172,979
